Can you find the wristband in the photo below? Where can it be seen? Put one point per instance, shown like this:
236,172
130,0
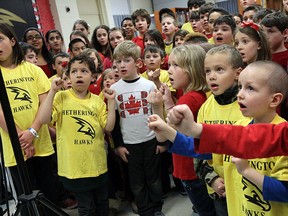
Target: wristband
33,132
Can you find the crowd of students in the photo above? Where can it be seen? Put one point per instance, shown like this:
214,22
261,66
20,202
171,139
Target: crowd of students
90,105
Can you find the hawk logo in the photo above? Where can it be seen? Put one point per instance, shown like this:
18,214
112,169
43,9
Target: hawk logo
20,94
255,195
7,17
85,127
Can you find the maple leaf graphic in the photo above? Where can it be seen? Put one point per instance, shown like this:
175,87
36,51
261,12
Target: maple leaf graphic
133,106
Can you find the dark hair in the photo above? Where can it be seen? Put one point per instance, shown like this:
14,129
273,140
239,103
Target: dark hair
194,15
95,43
17,55
181,33
26,47
44,51
219,10
81,22
53,31
88,52
157,36
62,55
238,15
126,18
165,11
259,15
142,13
228,20
277,19
197,3
82,35
74,41
205,8
83,59
252,7
154,49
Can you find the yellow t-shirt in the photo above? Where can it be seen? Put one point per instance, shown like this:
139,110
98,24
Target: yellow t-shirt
24,84
53,77
188,27
243,196
213,113
168,48
80,136
211,40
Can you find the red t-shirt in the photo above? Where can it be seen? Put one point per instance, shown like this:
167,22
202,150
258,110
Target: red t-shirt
184,166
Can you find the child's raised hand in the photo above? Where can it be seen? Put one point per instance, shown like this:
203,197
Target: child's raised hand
167,98
160,127
109,93
241,164
155,97
56,84
181,118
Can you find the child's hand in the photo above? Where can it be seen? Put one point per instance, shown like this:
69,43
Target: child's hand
155,98
181,118
242,165
122,152
25,138
29,152
156,74
109,93
167,98
56,84
219,186
160,149
156,123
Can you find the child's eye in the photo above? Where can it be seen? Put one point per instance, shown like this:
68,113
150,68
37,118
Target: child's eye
207,71
239,87
219,69
250,88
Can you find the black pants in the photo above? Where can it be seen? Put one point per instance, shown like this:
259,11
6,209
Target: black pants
40,170
144,171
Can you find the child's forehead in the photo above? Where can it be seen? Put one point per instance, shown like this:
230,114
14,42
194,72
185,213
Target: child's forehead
222,58
62,58
139,17
223,24
168,18
79,43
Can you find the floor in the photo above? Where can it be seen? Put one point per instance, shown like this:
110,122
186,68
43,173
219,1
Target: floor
175,204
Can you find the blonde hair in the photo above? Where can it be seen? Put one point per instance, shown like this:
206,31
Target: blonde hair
277,80
127,49
191,60
105,72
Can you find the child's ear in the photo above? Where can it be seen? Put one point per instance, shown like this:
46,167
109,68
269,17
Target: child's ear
13,41
237,72
276,99
139,63
53,66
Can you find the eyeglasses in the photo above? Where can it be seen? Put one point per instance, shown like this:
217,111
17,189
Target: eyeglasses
31,38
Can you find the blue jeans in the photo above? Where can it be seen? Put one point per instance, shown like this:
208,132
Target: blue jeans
93,202
198,195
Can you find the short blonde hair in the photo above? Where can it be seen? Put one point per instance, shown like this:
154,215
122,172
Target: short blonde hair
191,60
277,80
127,49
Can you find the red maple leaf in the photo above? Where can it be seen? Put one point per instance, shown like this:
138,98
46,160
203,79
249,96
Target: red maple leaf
133,106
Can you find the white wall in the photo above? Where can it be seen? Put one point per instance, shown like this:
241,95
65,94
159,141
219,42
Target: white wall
64,20
120,7
159,4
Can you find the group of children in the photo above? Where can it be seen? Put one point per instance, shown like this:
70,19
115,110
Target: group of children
211,70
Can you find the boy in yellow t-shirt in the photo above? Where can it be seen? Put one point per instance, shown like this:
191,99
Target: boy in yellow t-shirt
262,87
223,65
60,61
80,119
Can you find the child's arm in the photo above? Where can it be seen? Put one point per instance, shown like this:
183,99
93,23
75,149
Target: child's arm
273,189
46,109
248,172
109,94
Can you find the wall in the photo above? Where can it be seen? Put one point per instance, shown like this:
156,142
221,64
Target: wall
159,4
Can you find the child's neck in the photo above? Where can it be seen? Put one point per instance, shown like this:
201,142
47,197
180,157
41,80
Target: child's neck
169,38
80,95
267,118
8,64
282,48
